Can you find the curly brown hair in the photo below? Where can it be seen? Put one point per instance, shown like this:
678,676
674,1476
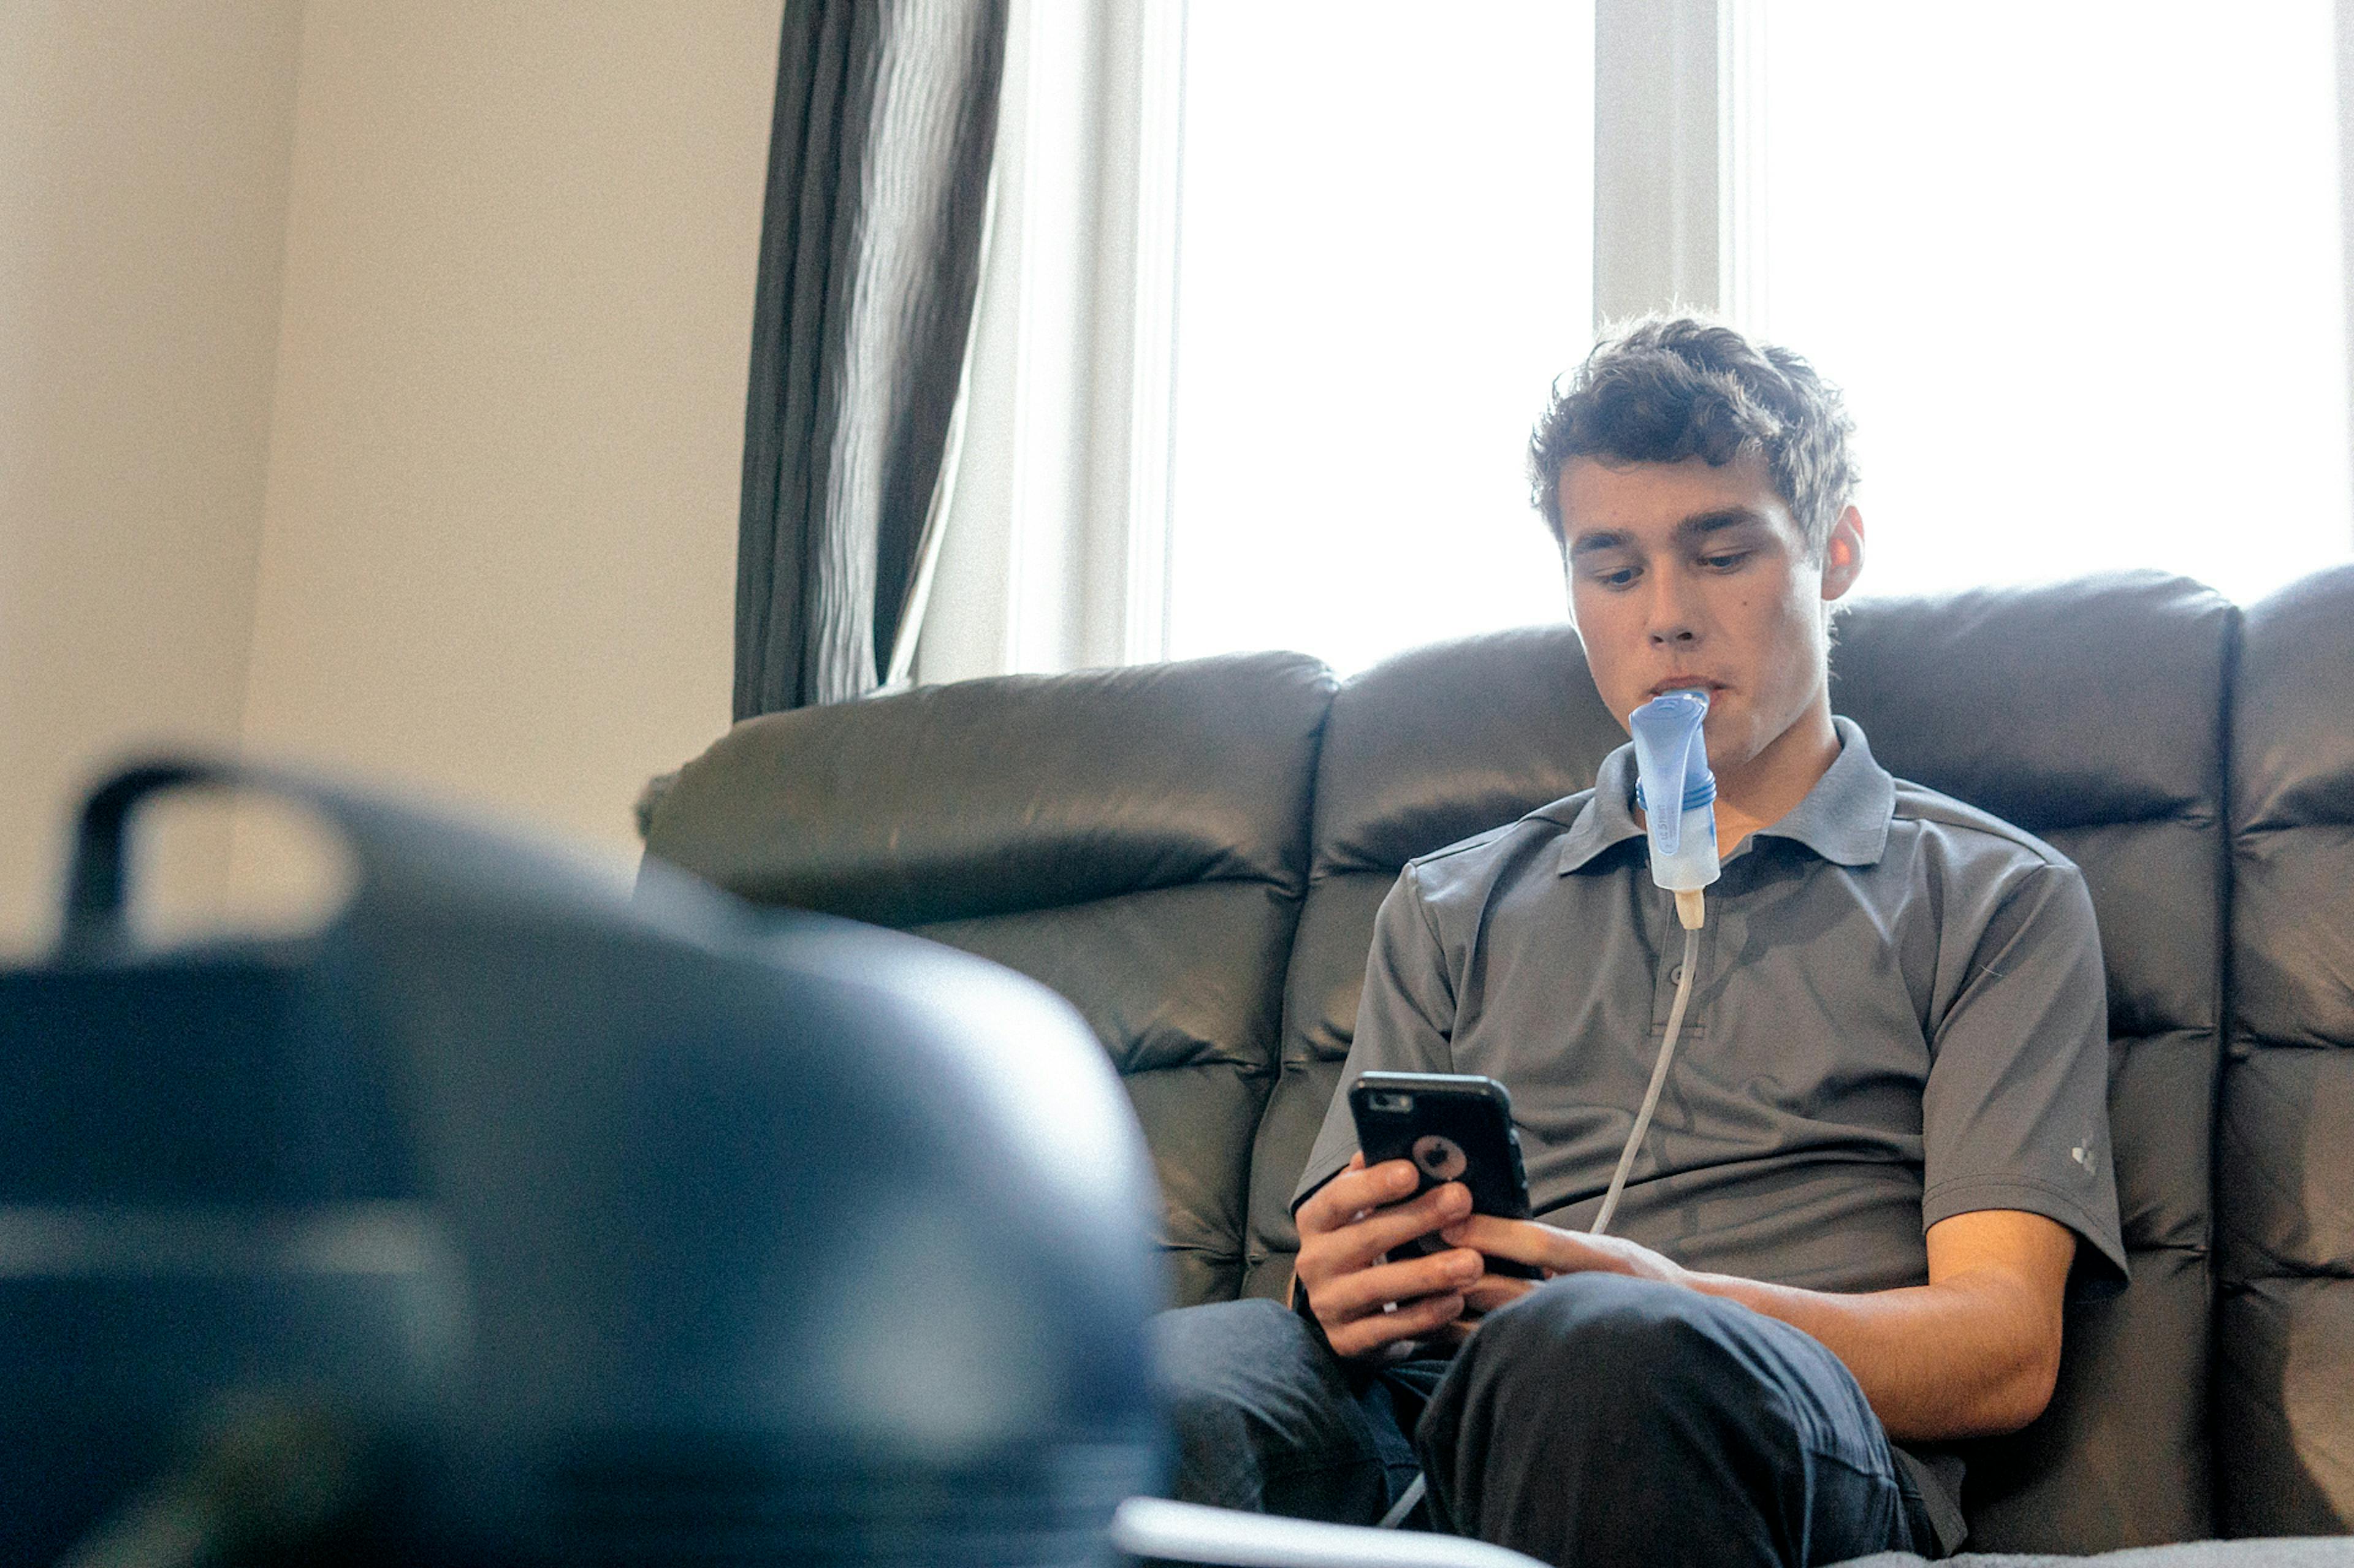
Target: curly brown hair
1664,388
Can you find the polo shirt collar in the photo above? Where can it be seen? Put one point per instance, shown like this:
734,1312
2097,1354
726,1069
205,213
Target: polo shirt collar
1844,818
1608,817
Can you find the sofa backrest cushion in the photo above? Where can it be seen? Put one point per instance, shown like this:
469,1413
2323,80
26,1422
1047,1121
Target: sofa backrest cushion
2092,713
1135,839
2284,1152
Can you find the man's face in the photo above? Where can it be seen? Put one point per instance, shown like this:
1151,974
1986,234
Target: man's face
1687,575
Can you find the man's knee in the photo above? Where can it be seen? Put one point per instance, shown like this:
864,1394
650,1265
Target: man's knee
1594,1390
1264,1417
1601,1340
1217,1362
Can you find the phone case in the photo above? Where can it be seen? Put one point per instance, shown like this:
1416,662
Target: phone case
1454,1128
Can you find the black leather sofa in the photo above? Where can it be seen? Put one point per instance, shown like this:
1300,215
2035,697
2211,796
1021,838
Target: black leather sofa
1193,854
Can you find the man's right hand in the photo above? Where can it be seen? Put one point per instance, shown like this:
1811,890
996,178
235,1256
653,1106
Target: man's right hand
1347,1225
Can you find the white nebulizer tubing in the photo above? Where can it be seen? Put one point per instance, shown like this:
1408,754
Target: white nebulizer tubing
1689,912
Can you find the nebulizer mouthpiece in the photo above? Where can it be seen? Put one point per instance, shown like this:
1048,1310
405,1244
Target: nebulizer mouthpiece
1678,794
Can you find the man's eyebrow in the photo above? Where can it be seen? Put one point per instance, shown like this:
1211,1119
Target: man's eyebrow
1699,525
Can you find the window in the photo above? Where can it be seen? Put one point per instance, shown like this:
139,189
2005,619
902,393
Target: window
2078,268
1384,259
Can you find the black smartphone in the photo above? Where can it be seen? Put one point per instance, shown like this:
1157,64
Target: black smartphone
1453,1127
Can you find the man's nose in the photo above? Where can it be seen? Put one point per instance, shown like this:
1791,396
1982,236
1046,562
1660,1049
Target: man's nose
1674,620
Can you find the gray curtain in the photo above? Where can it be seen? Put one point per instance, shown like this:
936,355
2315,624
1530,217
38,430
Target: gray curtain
870,253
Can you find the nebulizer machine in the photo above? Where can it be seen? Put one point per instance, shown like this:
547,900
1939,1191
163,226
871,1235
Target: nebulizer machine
1677,795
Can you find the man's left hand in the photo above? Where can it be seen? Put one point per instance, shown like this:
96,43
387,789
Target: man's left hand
1551,1250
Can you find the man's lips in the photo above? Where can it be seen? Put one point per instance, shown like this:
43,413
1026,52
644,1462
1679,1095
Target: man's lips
1687,684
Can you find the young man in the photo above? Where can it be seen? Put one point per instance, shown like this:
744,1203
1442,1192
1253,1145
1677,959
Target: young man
1883,1152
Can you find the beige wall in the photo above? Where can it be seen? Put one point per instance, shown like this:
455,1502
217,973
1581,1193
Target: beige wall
499,544
144,157
371,387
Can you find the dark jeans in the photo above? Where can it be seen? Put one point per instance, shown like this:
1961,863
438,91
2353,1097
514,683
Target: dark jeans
1597,1420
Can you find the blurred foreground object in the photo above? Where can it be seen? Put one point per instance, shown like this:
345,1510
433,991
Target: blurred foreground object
507,1218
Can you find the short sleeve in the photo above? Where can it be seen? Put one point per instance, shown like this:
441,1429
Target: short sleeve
2016,1111
1406,1020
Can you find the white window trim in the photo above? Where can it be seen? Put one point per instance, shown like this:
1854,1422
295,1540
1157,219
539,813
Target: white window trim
1679,158
1152,342
2343,15
1055,553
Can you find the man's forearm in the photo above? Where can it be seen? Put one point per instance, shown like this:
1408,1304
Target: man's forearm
1949,1359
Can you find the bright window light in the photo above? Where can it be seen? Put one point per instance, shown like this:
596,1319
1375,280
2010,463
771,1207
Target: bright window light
2078,268
1384,258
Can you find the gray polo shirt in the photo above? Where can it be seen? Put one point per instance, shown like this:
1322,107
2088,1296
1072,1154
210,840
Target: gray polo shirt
1899,1015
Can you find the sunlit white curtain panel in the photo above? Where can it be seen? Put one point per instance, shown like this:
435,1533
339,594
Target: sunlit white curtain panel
2078,267
1385,256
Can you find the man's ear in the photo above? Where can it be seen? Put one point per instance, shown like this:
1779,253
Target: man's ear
1844,555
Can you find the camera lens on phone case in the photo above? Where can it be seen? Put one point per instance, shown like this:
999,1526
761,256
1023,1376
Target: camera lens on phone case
1442,1158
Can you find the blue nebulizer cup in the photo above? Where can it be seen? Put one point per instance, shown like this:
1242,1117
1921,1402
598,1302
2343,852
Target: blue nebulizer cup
1677,795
